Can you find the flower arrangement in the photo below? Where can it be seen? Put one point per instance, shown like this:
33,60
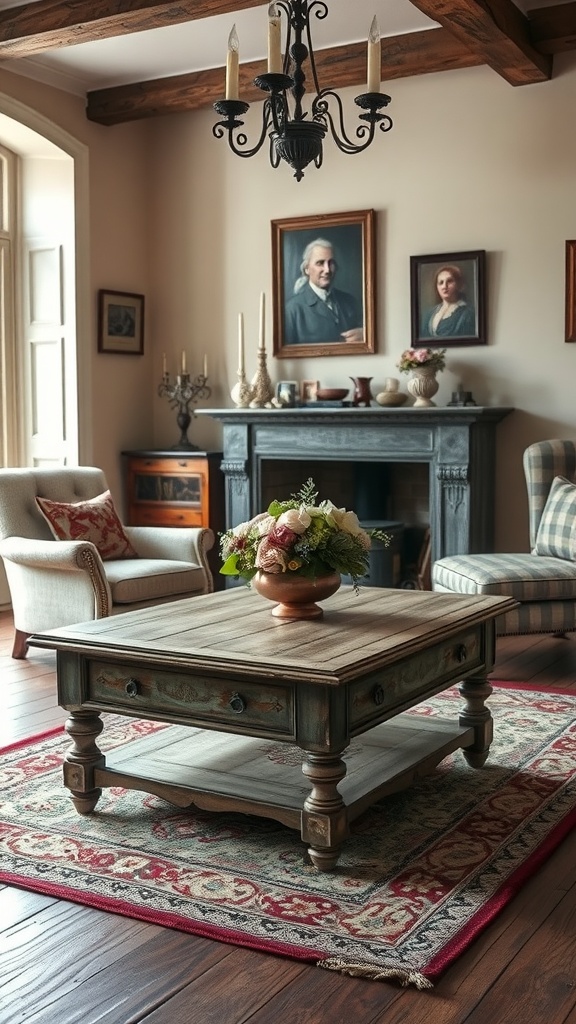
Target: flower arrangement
414,358
301,537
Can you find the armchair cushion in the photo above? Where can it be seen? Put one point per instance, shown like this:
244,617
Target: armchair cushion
94,520
152,579
557,530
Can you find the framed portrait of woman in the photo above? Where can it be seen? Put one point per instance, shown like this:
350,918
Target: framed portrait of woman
448,299
324,285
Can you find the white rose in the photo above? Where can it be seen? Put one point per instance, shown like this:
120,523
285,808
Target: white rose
265,524
295,519
346,521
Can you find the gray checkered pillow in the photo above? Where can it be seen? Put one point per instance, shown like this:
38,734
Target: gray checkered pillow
557,531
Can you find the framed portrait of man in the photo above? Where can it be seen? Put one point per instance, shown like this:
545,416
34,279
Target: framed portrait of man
448,299
324,291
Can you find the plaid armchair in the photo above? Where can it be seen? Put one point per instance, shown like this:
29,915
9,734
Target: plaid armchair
544,581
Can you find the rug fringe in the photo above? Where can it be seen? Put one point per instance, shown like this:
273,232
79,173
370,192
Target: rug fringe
357,969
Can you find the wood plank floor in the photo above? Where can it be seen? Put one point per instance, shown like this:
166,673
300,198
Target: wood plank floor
64,964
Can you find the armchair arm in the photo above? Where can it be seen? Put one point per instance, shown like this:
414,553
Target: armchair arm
54,582
185,544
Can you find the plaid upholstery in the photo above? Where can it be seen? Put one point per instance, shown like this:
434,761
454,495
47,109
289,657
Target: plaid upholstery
557,531
544,585
542,462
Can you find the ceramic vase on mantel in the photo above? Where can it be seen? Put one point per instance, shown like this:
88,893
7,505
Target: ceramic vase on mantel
296,595
422,385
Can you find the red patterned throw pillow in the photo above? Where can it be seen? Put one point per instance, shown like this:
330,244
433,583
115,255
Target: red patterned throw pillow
95,520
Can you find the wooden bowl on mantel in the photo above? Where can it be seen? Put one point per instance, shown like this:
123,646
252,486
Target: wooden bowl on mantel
331,394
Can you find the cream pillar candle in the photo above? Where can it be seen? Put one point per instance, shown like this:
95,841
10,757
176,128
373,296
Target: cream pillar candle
205,365
240,343
274,41
261,336
232,65
183,361
374,57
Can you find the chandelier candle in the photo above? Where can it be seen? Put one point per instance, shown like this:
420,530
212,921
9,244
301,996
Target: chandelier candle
232,66
274,41
374,58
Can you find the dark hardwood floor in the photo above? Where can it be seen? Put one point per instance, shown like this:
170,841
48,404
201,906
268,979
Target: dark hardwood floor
61,963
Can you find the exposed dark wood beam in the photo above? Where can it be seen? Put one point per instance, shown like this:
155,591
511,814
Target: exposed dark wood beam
416,53
48,24
497,32
553,29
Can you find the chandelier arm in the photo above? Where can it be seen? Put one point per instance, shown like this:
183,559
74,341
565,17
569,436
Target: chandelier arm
364,132
320,13
239,142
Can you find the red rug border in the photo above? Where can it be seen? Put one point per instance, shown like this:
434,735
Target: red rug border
433,970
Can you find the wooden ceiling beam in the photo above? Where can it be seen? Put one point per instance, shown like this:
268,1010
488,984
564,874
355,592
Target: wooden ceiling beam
49,24
553,29
495,30
416,53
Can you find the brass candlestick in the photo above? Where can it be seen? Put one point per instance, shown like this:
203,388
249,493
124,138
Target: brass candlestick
262,387
180,394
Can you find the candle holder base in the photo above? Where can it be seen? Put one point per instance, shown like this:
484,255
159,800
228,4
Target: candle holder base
262,387
241,393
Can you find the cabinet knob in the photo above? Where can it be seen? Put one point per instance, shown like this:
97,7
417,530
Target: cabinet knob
461,653
237,704
378,694
132,688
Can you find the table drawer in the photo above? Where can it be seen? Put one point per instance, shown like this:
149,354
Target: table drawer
174,696
163,515
405,685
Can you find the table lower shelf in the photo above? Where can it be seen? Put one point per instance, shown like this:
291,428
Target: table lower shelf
223,772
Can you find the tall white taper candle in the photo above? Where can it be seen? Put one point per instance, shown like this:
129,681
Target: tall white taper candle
374,57
261,341
240,343
232,65
274,41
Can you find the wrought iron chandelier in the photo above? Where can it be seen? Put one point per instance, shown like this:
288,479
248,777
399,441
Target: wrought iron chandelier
296,137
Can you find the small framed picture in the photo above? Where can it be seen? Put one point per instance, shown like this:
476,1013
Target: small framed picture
308,389
448,299
287,393
121,323
570,291
324,281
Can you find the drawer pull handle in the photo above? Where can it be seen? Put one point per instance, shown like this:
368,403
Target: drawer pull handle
461,653
237,704
378,694
132,688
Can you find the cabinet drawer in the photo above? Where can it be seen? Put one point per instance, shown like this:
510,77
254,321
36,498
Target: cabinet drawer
381,695
170,466
193,698
163,515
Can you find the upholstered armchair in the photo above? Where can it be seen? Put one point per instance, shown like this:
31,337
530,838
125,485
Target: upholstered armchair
544,581
101,567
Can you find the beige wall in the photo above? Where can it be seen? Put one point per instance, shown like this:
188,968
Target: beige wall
471,163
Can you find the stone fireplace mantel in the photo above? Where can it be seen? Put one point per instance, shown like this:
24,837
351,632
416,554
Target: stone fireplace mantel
457,443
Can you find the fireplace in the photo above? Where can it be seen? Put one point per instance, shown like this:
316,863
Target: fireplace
430,469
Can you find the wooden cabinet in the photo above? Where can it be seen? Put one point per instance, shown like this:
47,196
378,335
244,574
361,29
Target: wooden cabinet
167,488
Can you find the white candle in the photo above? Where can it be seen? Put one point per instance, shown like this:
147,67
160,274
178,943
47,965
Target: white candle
274,42
240,343
261,342
374,57
232,66
183,361
164,363
205,365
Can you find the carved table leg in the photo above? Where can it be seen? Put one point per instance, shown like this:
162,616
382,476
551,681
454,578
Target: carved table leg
324,818
82,758
475,713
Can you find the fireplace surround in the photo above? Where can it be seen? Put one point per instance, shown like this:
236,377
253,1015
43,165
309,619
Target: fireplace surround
446,455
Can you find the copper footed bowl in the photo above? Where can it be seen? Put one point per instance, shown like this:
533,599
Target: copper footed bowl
296,595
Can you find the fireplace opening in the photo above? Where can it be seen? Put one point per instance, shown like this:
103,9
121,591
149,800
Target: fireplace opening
394,496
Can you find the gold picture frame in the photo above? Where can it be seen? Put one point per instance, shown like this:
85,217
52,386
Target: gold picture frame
318,317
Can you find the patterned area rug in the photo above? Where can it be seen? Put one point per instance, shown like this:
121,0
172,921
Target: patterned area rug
423,873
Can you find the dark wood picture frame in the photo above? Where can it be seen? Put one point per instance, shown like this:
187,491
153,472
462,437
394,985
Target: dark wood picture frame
570,290
467,323
120,323
302,324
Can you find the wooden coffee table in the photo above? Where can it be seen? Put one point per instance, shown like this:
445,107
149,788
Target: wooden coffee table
238,685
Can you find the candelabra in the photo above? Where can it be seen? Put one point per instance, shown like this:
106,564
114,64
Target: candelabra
180,394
